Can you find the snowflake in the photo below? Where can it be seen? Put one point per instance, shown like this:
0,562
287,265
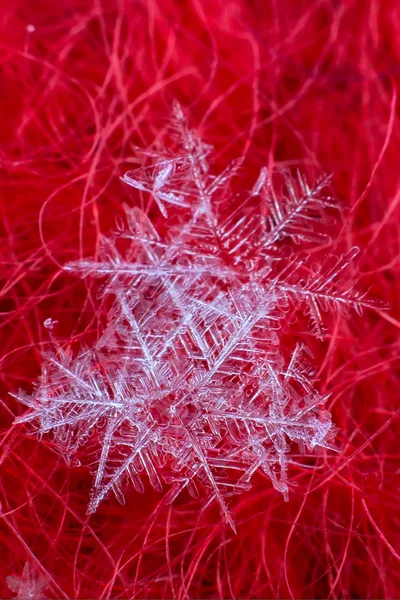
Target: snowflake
30,586
187,384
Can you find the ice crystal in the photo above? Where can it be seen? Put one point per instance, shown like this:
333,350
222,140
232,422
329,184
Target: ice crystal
187,384
30,586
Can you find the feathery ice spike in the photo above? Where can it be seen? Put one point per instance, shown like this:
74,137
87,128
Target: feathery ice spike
187,384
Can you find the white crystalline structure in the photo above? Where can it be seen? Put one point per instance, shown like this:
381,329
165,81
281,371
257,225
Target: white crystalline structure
187,386
30,586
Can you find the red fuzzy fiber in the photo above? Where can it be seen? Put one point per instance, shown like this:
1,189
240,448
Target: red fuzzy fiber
313,83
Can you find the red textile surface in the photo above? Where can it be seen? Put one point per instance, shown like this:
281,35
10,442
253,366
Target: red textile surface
310,83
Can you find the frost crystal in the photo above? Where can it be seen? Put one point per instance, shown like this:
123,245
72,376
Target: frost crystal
188,383
30,586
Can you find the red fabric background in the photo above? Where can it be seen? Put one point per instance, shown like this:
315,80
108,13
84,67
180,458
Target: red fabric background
311,82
